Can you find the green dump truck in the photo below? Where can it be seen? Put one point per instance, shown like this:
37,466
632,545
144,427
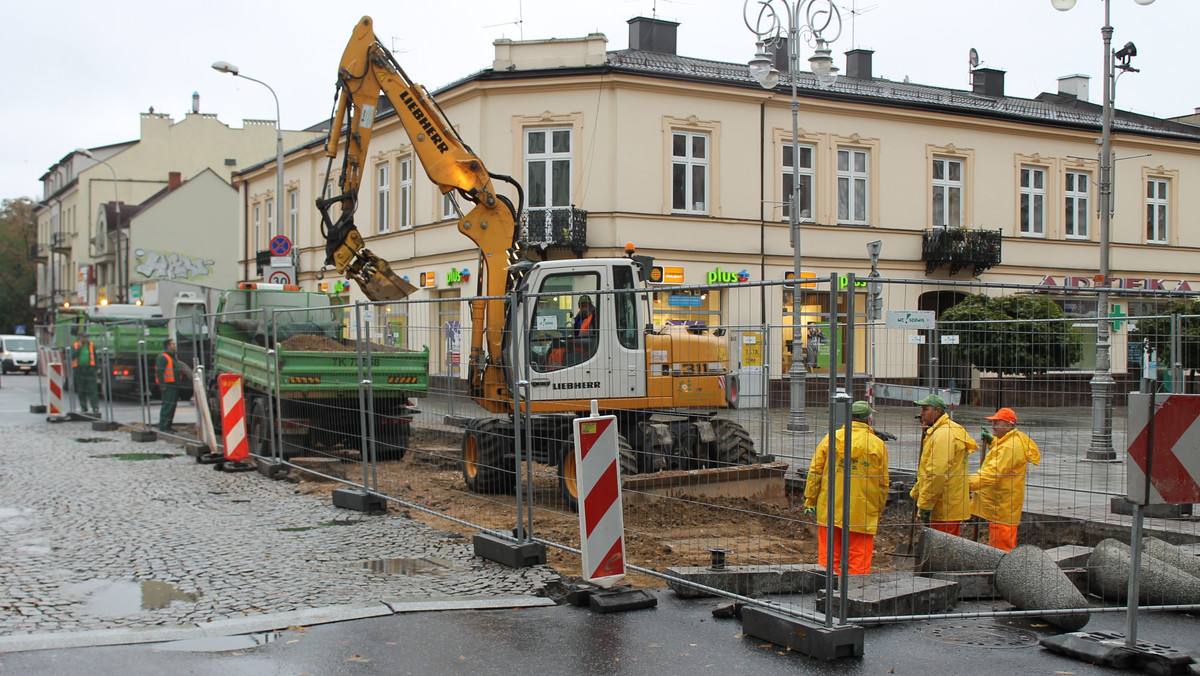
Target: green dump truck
115,329
316,369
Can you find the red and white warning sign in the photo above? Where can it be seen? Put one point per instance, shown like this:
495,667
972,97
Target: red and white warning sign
55,371
601,521
1174,464
233,416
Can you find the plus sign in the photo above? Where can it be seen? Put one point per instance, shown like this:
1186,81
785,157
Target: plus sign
1116,315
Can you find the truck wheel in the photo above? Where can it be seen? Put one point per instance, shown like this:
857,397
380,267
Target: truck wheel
486,466
733,446
568,477
391,439
259,426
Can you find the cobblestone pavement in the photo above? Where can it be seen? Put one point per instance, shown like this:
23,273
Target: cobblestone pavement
82,533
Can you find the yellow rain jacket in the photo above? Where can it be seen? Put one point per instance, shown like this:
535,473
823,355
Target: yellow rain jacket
942,475
999,485
868,479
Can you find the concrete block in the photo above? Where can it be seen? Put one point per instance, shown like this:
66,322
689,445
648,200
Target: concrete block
37,408
1159,583
938,551
980,585
195,449
1122,506
1169,553
620,599
803,636
509,552
762,483
143,435
1070,556
270,468
105,425
358,500
1107,649
746,580
884,594
1030,579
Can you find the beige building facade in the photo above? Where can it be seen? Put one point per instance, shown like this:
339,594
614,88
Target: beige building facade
692,162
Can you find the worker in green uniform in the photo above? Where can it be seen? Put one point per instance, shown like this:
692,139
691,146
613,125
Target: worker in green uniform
83,372
172,376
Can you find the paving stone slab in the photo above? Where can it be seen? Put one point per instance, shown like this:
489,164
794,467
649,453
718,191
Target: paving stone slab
747,580
885,594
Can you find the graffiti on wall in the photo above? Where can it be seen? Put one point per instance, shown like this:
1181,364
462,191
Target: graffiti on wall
171,265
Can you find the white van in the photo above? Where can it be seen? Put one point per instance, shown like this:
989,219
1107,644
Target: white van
18,353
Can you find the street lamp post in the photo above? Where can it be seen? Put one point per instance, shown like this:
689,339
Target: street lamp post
1101,447
768,19
226,67
117,201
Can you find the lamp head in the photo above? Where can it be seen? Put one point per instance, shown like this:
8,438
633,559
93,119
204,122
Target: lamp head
821,63
762,69
225,67
1127,51
1063,5
85,152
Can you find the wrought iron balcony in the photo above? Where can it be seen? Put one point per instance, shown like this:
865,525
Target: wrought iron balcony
558,228
60,242
960,248
39,251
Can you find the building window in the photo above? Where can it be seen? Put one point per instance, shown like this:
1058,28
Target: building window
548,167
257,241
947,193
689,173
1078,186
406,184
293,214
270,218
1157,200
335,209
384,193
449,206
1033,202
853,166
803,173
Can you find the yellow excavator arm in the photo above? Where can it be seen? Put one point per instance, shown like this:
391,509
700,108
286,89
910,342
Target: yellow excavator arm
367,70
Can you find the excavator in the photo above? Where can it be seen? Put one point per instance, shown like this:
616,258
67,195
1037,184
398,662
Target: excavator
665,385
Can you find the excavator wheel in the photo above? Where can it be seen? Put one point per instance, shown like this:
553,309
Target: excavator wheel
259,436
733,445
486,467
568,481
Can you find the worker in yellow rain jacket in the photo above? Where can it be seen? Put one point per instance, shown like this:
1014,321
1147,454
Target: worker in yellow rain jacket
998,488
942,490
868,491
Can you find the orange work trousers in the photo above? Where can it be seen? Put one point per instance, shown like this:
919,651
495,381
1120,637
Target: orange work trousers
947,527
862,548
1002,536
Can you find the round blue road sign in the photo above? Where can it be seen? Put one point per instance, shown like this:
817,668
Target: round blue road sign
280,245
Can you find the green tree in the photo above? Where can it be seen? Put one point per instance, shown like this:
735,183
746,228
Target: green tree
1157,330
18,274
1012,335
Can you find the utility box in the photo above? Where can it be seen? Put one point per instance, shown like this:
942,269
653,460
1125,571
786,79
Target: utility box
751,370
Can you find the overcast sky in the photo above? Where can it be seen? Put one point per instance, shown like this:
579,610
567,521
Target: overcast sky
79,72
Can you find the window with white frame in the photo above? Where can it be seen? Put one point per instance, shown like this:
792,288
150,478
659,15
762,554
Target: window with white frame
1157,201
1077,191
270,218
293,214
257,227
689,172
802,173
548,168
947,193
448,206
383,203
1033,201
853,176
405,194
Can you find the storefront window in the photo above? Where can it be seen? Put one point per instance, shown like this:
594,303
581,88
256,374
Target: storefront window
815,339
1084,311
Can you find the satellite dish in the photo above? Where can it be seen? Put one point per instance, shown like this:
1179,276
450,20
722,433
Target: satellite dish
973,58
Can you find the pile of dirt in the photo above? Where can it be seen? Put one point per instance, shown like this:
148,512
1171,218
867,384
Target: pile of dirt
307,343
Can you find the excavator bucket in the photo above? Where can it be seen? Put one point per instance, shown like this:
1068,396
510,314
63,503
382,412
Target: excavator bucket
378,281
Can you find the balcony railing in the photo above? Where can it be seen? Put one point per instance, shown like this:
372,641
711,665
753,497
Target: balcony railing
60,242
39,252
960,248
558,228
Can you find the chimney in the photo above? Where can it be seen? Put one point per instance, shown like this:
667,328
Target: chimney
1074,85
174,180
777,49
988,82
858,64
652,35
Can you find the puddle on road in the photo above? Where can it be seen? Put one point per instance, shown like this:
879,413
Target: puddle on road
404,566
123,597
219,643
137,456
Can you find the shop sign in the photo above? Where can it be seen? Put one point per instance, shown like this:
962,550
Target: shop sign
458,276
803,275
1127,283
844,281
683,300
428,279
666,274
719,276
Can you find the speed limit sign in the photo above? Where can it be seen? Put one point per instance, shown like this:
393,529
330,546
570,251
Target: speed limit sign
280,277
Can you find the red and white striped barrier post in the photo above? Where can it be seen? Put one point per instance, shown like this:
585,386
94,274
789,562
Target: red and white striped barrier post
233,416
601,521
56,371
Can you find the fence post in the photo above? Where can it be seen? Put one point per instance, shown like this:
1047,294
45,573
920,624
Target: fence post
271,336
831,454
366,436
1177,386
